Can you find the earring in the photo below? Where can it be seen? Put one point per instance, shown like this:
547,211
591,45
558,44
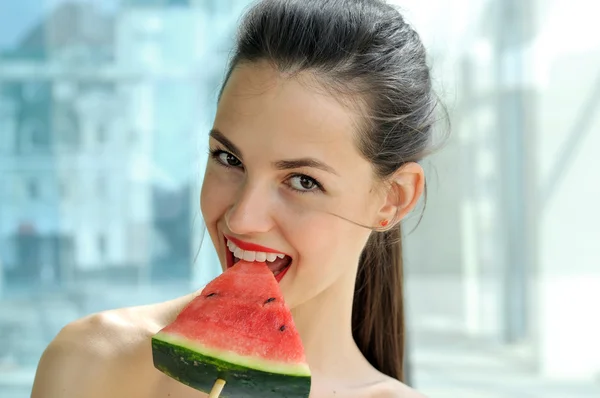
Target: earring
384,223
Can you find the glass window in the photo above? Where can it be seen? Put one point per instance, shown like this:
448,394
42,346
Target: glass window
33,189
102,247
101,133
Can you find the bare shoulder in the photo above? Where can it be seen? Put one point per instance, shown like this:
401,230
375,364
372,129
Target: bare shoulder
95,356
393,388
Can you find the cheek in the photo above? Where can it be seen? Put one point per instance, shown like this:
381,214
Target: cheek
314,241
323,230
326,244
216,194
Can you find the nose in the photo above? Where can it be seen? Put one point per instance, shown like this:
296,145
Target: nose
251,212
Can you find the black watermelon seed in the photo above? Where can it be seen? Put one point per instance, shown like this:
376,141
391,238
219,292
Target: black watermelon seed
270,300
212,294
282,328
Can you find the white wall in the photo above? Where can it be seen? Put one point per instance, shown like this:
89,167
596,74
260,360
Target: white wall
568,282
562,68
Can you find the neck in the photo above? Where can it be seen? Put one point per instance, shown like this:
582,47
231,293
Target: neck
325,326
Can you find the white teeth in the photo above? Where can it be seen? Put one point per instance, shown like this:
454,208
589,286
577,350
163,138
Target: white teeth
249,255
239,253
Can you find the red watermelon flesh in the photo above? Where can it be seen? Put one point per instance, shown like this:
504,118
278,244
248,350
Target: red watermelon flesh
239,323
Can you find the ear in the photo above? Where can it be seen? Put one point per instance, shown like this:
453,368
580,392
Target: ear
403,191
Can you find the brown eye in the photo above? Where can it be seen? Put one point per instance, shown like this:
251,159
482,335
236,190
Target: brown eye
229,160
303,183
307,183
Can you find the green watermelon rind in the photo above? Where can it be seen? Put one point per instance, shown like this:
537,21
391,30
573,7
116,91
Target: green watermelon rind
233,360
200,370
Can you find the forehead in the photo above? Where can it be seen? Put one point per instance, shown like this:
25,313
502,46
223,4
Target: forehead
290,115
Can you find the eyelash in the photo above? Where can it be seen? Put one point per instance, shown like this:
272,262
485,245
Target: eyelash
215,153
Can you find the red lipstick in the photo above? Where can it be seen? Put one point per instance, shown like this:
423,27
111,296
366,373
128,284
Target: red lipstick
251,246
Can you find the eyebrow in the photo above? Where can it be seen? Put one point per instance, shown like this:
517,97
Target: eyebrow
280,164
303,162
231,147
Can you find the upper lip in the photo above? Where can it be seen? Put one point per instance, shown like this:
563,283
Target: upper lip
251,246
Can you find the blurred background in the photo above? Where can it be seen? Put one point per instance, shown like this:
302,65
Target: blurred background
104,111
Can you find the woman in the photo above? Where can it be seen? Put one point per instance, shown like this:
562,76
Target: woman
325,111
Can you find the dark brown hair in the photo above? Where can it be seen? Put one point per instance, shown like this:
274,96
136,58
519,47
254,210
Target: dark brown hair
359,49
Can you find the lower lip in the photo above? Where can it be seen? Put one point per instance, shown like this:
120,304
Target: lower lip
229,259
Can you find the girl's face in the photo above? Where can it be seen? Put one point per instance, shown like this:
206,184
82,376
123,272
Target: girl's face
283,158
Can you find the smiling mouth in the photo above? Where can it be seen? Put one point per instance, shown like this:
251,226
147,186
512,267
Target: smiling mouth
278,263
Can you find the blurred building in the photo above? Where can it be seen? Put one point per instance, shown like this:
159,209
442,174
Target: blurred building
100,117
42,139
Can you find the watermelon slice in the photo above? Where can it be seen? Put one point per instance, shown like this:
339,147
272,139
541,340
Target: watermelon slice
238,329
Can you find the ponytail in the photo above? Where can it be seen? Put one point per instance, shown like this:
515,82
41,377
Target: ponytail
378,311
